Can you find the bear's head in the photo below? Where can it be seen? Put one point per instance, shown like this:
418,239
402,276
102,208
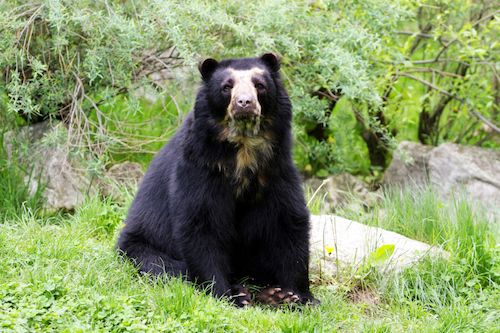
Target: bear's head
242,92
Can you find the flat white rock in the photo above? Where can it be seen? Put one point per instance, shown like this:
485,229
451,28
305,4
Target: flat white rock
350,244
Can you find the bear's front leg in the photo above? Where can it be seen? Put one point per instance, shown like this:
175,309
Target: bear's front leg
289,269
279,224
290,257
206,251
206,257
203,229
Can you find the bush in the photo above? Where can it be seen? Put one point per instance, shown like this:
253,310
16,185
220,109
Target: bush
358,72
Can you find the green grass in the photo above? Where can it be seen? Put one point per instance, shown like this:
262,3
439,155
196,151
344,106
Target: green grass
14,196
61,274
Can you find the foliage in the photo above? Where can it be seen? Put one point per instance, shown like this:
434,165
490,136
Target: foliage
359,72
380,255
449,60
67,58
15,180
137,128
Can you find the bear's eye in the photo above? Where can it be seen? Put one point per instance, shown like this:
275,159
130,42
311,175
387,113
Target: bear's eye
260,86
227,88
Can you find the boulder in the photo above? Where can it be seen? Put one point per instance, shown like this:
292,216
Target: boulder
64,176
50,166
338,241
65,186
450,168
409,165
473,170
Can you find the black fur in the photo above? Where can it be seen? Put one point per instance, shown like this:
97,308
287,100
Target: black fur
192,216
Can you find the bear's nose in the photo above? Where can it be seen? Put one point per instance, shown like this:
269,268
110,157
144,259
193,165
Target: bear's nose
244,101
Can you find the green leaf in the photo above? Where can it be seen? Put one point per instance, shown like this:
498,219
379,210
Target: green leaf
381,254
322,173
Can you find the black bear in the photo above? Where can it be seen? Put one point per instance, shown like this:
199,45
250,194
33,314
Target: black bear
222,201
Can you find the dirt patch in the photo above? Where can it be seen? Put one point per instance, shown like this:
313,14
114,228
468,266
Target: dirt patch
364,296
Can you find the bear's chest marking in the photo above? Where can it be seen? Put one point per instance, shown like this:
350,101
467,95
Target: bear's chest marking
252,154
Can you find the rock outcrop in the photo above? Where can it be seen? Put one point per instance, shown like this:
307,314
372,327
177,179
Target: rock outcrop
450,168
50,166
63,176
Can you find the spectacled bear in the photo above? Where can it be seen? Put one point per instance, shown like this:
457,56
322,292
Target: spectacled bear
223,201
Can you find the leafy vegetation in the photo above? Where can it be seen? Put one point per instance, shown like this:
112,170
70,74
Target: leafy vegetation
15,196
360,73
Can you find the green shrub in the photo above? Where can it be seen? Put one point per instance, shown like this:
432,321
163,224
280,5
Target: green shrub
358,72
67,58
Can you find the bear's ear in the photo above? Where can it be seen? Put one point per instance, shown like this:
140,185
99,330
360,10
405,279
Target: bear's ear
272,61
207,67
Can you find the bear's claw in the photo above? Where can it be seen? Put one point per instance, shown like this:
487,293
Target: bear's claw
276,296
240,296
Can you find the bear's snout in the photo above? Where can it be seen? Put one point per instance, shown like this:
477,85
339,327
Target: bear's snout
245,101
245,107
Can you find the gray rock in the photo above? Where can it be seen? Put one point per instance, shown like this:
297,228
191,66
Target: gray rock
339,191
409,165
450,168
50,166
65,185
16,142
353,242
476,171
64,176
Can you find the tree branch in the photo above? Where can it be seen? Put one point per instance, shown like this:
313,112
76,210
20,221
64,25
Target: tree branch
432,70
418,34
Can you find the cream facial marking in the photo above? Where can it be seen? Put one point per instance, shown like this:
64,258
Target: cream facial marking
244,110
244,91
